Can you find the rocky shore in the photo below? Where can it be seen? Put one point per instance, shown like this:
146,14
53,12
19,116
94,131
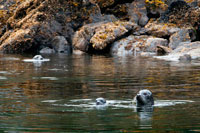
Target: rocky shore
128,27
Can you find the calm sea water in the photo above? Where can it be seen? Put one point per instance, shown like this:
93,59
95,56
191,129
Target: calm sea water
59,95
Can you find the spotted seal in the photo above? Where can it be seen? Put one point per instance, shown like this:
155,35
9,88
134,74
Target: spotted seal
100,101
38,57
144,98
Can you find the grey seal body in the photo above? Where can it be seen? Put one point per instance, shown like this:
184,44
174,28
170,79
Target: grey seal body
144,98
100,101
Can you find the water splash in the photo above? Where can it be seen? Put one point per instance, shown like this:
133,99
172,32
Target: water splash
89,104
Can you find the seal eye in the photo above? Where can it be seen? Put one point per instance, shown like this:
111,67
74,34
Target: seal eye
145,94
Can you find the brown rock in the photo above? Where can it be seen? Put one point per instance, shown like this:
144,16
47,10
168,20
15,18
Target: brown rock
161,29
184,35
162,50
186,48
99,35
39,21
133,45
18,41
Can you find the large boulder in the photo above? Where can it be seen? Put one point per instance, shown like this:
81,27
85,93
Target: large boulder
99,36
161,29
17,41
152,43
175,34
184,35
134,45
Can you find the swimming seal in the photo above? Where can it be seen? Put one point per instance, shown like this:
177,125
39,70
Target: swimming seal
38,57
100,101
144,98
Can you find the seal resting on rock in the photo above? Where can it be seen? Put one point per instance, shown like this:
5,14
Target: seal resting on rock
144,98
100,101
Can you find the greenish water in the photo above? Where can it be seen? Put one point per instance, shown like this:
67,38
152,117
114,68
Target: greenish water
59,95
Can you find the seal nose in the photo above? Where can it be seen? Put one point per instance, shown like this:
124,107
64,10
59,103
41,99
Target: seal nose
138,96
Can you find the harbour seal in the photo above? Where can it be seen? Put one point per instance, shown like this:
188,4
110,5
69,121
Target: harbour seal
144,98
38,57
100,101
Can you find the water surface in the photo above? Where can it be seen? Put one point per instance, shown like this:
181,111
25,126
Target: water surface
59,95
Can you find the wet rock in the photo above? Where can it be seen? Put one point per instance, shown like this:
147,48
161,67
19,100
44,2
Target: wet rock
185,58
161,29
100,18
192,3
155,7
109,32
134,45
163,50
183,35
152,43
182,13
17,41
185,48
137,12
103,3
96,16
116,7
99,35
36,22
60,45
47,50
22,38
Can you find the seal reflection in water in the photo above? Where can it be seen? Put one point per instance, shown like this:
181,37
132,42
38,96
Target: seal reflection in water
144,102
100,101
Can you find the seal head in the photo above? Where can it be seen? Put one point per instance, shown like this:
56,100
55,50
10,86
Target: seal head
38,57
100,101
144,97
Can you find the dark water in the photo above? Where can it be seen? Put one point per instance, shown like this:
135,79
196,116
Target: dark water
59,95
